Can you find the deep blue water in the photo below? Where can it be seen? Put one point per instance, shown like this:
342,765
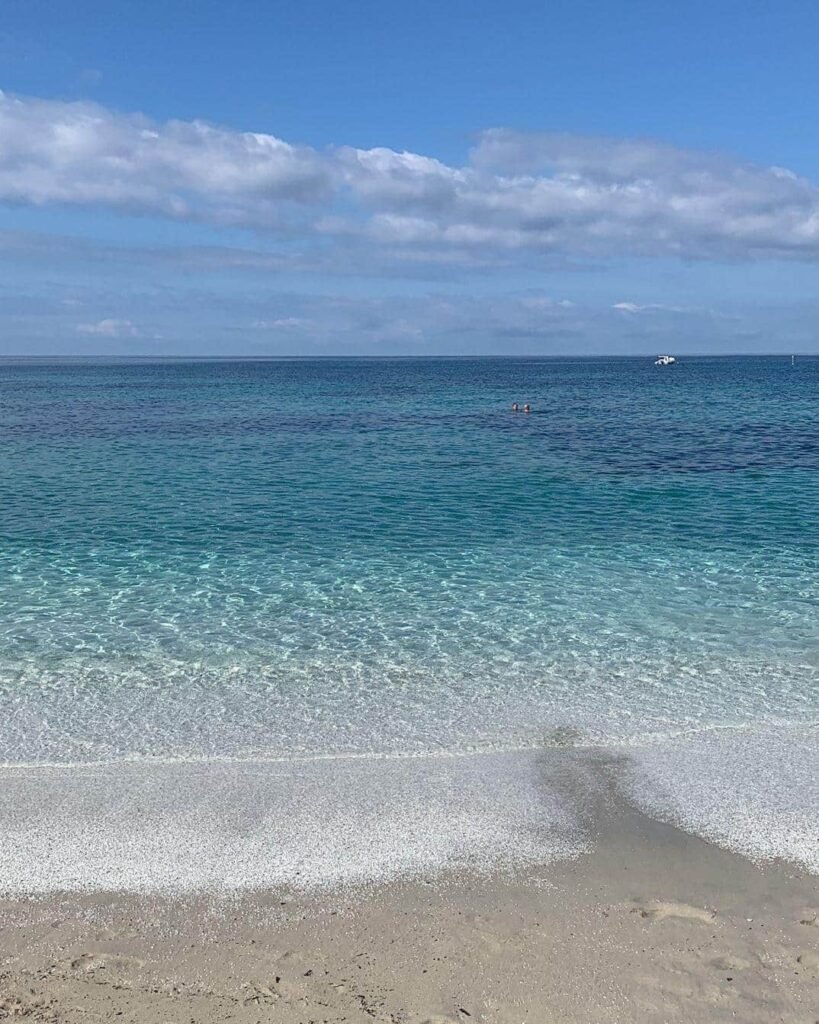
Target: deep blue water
241,558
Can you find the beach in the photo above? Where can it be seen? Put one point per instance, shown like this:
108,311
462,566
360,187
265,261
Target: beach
650,924
409,513
405,707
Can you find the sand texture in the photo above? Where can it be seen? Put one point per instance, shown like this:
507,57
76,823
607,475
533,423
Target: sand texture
651,926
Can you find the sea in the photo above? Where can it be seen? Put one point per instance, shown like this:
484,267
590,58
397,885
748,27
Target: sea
318,622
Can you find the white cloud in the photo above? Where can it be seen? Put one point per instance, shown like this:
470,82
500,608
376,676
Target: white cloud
82,153
478,323
628,307
518,196
285,323
194,319
655,307
110,328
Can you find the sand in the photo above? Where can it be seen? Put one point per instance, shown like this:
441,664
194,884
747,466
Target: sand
651,925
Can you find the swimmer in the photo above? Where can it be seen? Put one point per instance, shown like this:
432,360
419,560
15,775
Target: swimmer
527,408
515,407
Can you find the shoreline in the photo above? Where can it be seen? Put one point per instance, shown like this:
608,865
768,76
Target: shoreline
650,924
320,825
586,910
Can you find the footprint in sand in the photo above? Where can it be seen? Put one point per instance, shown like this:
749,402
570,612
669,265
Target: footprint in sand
811,919
102,966
659,910
730,963
256,992
104,961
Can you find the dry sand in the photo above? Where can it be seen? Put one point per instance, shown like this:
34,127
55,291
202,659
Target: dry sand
652,925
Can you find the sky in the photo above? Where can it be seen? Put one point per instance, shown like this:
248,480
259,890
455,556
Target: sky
426,178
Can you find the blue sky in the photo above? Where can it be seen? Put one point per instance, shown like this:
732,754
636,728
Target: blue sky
317,178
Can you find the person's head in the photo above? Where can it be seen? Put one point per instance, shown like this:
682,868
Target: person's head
514,406
527,408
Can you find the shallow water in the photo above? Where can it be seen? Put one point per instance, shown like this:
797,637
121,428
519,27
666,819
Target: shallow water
262,560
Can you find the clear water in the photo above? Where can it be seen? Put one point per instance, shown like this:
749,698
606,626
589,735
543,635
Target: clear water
308,558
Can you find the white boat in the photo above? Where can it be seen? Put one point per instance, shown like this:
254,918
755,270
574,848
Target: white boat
664,360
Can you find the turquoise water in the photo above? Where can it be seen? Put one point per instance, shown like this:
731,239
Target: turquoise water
234,558
302,559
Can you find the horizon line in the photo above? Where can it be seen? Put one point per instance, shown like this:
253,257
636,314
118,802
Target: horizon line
145,357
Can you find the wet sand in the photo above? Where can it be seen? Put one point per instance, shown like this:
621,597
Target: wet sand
651,925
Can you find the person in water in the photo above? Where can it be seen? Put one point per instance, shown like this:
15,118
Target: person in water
527,408
515,406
